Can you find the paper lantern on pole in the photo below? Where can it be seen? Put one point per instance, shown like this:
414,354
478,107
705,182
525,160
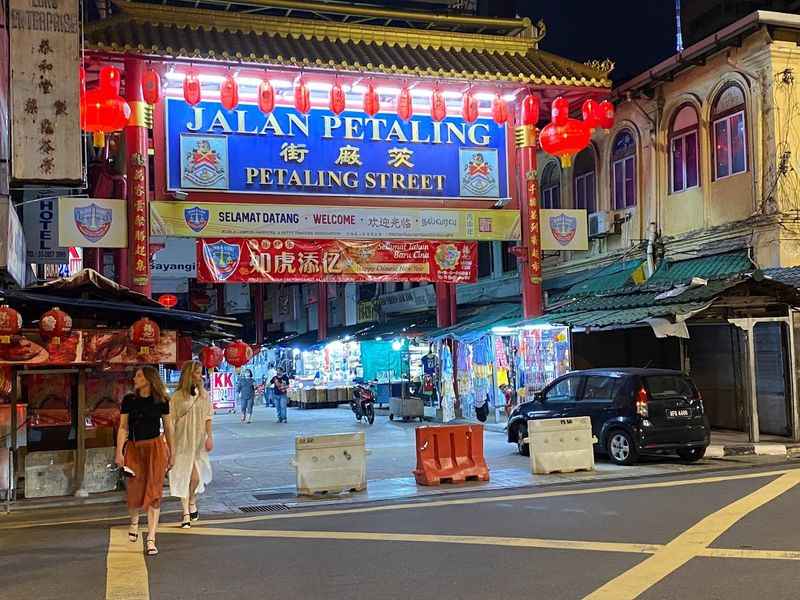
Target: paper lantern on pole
530,110
559,111
469,109
54,325
499,109
372,103
191,88
229,92
151,86
565,141
211,357
266,97
438,105
338,101
605,114
302,96
10,323
145,335
238,353
103,110
405,106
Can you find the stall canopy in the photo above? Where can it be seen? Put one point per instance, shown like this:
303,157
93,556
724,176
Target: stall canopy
480,322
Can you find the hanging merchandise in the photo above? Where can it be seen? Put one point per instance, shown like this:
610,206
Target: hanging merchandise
438,104
266,97
302,96
191,87
211,357
54,325
151,86
470,108
103,109
605,114
145,335
466,394
589,111
371,100
229,92
499,109
405,106
337,98
530,110
10,323
447,394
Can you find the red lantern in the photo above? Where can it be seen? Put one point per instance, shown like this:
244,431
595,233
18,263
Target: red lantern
589,110
605,114
229,92
10,323
151,86
302,96
168,300
470,108
565,140
405,106
499,109
238,353
145,334
530,110
338,102
103,110
559,111
54,325
191,88
211,357
266,97
438,105
372,103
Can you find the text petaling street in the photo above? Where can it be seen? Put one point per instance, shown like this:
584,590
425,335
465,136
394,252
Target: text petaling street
322,179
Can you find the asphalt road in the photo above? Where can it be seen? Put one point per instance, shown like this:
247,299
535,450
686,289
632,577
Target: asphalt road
727,535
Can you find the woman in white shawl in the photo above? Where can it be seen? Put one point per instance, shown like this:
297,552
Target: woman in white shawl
190,411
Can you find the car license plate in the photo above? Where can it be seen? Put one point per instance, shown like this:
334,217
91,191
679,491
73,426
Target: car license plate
678,413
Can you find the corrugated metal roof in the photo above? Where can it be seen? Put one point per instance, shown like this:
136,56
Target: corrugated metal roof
789,275
614,277
481,322
718,266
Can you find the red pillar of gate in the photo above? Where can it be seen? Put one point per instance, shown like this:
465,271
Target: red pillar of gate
453,303
322,311
531,261
442,304
137,269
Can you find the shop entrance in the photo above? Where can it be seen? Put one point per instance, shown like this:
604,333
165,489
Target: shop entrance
773,393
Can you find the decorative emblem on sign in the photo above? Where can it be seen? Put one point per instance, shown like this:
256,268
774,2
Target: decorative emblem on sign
563,228
223,258
479,172
196,218
447,256
93,221
204,162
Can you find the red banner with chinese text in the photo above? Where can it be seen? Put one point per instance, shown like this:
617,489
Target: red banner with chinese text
246,260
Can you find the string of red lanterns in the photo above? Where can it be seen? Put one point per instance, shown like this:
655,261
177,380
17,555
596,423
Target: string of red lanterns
564,136
102,109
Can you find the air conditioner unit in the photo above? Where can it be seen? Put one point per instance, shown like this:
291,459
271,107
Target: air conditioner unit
601,224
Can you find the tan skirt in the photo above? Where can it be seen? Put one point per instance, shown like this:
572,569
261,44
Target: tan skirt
149,459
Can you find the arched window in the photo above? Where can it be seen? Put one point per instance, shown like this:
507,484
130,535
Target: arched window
623,170
585,178
729,132
551,186
683,150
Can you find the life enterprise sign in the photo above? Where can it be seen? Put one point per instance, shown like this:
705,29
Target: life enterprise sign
352,154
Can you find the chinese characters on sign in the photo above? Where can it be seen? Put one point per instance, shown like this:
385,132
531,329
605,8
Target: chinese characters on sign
45,54
535,242
139,228
292,260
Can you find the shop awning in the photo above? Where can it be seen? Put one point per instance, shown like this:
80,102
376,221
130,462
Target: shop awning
481,322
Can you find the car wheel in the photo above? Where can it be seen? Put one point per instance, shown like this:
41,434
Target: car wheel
523,448
621,449
692,454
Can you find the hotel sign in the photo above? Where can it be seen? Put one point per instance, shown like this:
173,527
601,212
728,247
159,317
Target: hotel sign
320,153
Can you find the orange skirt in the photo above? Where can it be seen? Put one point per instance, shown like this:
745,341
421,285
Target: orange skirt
149,459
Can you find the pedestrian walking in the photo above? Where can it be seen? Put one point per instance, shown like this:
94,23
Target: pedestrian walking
144,451
269,400
191,421
280,385
246,390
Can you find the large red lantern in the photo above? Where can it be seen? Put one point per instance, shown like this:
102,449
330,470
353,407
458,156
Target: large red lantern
151,86
565,141
229,92
191,88
372,103
605,114
266,97
145,334
168,300
54,325
499,109
589,111
211,357
405,106
338,102
103,110
238,353
302,96
530,110
470,108
10,323
559,111
438,105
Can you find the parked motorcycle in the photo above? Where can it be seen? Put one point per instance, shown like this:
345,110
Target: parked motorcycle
363,401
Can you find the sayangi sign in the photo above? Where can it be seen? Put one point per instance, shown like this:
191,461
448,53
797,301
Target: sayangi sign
320,153
92,222
563,229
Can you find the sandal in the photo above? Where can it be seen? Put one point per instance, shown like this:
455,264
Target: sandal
186,522
151,548
195,514
133,536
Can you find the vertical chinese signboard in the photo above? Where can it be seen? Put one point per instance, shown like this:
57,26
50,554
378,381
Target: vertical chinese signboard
138,228
535,242
45,58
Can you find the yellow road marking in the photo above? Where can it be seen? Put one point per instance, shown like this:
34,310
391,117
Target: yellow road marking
126,572
691,543
750,553
121,517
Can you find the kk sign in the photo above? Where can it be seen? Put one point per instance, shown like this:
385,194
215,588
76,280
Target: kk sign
285,152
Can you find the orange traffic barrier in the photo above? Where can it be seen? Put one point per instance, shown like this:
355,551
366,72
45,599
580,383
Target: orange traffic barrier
451,454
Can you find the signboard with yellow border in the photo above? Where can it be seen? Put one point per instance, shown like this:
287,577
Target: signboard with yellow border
563,229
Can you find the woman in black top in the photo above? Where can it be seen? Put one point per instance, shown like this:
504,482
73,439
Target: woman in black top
144,450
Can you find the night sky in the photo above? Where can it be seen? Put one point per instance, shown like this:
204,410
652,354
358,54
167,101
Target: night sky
635,34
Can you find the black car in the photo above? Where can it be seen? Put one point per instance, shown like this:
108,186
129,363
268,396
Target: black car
633,412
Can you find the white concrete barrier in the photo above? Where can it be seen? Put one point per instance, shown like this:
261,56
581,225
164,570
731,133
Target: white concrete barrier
330,463
561,445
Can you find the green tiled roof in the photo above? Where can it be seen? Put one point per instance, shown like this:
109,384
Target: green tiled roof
719,266
614,277
789,276
630,316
